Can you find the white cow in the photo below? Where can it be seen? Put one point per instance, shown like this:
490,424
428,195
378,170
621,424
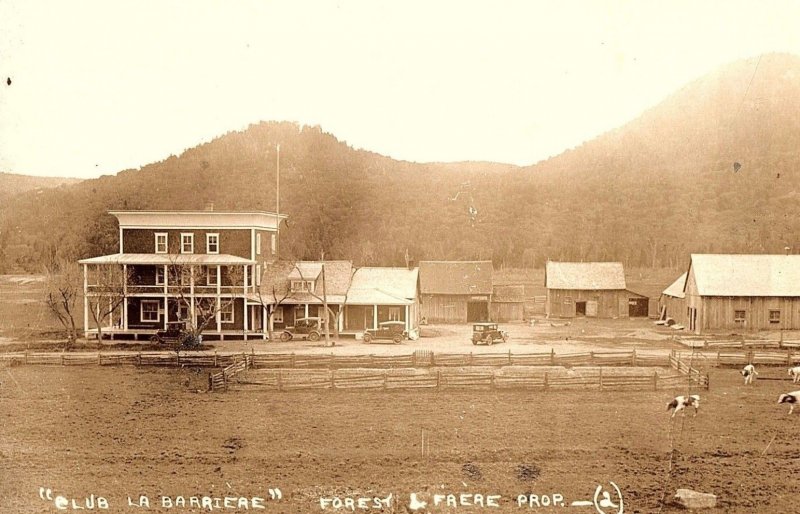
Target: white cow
748,373
795,374
790,398
681,402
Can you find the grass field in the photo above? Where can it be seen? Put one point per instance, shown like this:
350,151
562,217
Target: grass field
119,432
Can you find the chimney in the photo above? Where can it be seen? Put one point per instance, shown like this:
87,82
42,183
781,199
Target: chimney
209,206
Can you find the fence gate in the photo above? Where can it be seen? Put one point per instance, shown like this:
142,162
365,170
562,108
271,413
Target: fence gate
423,357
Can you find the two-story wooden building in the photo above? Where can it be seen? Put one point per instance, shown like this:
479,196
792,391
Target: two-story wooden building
183,265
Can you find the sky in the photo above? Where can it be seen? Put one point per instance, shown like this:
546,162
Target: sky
98,87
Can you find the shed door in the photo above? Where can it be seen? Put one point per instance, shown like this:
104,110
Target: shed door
591,309
477,311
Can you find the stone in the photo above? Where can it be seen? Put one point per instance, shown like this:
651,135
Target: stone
689,499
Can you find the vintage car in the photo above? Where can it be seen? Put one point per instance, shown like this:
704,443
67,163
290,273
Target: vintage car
304,328
394,331
487,333
174,333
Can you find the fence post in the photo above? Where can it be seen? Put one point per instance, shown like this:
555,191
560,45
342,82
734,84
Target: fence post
210,382
633,358
438,379
470,358
655,381
139,359
333,383
433,358
591,357
384,380
552,356
215,358
178,358
545,381
292,360
509,357
708,382
492,381
26,355
99,359
62,358
789,357
280,379
718,358
601,379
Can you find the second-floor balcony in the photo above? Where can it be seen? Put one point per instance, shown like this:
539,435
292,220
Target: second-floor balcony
173,275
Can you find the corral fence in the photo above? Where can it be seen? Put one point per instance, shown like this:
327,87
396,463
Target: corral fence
177,359
741,344
219,381
722,358
677,362
449,379
429,358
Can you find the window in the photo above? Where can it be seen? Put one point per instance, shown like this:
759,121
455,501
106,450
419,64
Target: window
739,316
212,243
277,317
273,244
187,242
774,316
299,286
226,313
160,276
394,314
183,312
161,242
258,274
212,276
148,310
258,244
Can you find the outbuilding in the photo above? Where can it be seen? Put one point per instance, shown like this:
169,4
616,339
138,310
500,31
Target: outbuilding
591,289
455,291
742,292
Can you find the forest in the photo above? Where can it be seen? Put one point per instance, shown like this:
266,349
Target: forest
713,168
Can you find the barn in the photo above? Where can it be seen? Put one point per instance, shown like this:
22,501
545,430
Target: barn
455,291
742,292
672,302
590,289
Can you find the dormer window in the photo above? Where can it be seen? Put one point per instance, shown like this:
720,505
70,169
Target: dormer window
187,242
302,286
161,242
212,243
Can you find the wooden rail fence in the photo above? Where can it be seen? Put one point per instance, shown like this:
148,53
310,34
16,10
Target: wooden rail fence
685,368
450,379
219,381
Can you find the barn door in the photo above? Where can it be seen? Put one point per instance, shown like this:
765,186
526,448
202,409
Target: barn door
591,309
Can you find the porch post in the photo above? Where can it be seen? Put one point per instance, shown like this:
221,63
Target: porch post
217,315
244,303
408,325
85,301
306,307
263,322
374,316
124,313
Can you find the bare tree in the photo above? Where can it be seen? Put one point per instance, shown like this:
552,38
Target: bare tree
63,283
274,289
183,279
108,292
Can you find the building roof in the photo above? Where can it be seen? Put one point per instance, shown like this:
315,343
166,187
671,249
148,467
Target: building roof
278,276
167,259
676,288
584,275
508,294
383,286
199,219
455,277
746,275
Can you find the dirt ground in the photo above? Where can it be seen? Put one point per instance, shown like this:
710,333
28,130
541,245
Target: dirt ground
119,432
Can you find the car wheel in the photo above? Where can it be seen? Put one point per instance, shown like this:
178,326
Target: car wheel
397,339
367,337
475,342
313,336
490,340
286,336
155,339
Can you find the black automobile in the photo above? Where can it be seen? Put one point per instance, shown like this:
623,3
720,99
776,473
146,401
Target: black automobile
394,331
304,328
487,333
174,333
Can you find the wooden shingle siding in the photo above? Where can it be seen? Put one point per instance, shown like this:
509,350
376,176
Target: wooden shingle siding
444,308
610,303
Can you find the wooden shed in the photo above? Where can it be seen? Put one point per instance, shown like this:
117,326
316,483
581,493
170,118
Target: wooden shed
455,291
591,289
742,292
508,303
672,302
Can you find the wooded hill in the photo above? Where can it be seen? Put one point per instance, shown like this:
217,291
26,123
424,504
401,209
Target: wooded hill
713,168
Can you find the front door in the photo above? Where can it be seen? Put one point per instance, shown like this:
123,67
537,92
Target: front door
580,308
